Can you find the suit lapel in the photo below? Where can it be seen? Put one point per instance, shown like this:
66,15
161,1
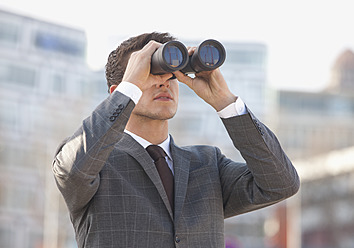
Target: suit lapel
181,162
134,149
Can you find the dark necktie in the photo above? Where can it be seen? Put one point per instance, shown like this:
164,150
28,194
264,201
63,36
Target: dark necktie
158,155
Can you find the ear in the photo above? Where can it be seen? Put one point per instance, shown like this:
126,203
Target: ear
112,88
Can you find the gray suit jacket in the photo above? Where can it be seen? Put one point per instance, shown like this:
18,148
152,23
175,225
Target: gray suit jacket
116,199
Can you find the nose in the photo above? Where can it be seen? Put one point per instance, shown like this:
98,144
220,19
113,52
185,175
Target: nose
165,84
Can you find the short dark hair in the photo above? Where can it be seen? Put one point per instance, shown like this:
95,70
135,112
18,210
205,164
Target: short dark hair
118,58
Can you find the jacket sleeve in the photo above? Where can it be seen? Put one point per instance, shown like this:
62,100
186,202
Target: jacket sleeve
268,176
80,158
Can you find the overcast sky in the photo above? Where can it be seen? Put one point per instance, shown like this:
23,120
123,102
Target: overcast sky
303,37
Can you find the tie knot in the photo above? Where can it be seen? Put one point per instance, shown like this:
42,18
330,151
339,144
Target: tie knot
155,152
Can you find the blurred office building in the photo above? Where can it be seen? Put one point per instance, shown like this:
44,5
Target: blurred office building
313,123
327,199
316,129
47,89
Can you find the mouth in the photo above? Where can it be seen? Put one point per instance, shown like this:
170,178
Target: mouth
163,97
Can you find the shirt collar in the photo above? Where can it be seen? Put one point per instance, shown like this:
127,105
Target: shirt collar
165,145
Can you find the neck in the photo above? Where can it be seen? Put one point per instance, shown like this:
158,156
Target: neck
154,131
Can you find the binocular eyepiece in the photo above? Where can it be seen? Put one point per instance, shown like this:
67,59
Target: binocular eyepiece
173,56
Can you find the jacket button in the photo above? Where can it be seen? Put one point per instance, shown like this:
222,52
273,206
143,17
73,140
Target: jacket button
112,118
177,239
116,114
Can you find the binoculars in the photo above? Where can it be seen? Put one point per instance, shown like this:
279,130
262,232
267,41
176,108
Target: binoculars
173,56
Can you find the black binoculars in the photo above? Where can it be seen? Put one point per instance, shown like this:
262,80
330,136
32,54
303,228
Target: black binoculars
173,56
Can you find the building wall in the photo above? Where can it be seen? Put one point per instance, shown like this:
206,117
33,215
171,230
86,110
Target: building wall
310,124
326,199
327,212
316,129
313,123
46,90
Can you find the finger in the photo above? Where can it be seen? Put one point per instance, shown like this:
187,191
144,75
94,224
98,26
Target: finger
151,47
204,74
160,79
191,50
166,76
181,77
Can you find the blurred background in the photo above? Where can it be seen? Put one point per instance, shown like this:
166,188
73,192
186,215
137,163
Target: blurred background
292,62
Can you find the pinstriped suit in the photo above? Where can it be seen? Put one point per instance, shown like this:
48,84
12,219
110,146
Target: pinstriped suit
116,198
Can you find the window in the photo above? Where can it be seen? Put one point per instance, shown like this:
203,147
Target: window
8,32
55,43
58,84
10,73
9,115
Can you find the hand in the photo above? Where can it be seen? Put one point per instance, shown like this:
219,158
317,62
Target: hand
138,68
210,86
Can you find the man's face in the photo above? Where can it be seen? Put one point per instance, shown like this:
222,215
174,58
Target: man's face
159,102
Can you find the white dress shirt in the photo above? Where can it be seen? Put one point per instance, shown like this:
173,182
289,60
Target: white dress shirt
165,145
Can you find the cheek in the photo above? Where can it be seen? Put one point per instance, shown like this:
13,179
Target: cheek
141,104
175,90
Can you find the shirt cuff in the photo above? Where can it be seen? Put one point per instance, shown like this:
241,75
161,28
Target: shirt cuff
130,90
234,109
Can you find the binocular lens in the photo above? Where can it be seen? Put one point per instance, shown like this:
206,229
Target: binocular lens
209,55
173,56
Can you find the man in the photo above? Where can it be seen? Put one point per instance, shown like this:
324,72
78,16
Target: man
115,193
